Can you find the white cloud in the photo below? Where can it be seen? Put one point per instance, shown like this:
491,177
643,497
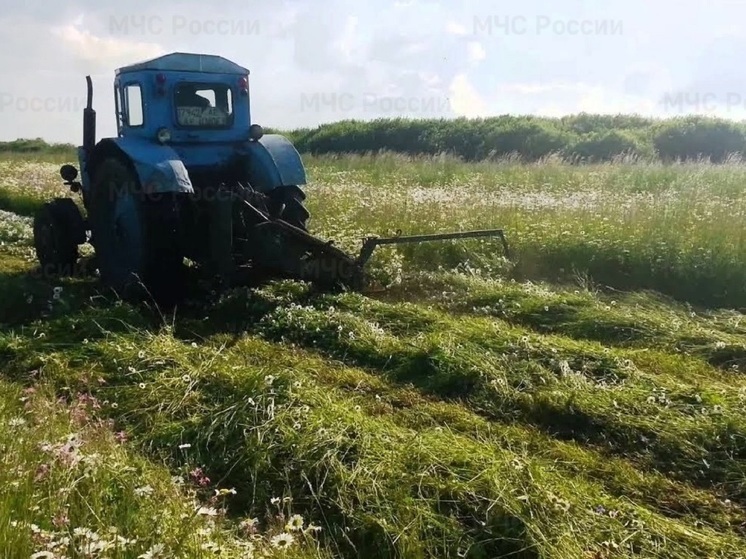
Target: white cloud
476,52
457,29
419,51
107,52
347,44
533,88
465,99
562,98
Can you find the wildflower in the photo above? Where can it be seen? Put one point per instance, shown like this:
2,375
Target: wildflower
517,464
295,524
141,355
313,528
198,477
81,532
275,500
207,511
60,520
283,541
184,446
154,552
186,378
194,345
143,491
16,422
269,379
225,492
141,385
249,526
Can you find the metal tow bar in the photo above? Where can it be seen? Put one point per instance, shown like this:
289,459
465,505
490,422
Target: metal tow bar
370,243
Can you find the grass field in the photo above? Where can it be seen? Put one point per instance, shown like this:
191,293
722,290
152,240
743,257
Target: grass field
586,399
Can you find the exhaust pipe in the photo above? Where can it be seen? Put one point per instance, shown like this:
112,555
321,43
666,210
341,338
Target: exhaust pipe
89,119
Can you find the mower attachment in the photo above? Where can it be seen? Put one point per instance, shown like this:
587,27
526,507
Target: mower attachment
370,244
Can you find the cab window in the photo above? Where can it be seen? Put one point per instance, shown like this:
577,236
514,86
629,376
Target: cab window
203,106
134,111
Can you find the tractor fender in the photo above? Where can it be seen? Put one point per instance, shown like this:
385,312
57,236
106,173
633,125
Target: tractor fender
158,167
273,161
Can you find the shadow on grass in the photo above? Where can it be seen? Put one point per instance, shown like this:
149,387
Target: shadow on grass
82,313
34,337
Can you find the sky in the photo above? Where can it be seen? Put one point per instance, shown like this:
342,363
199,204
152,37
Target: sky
317,61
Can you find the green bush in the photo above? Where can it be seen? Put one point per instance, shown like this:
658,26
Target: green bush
37,145
605,146
581,137
699,138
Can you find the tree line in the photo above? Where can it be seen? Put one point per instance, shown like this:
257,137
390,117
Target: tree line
578,138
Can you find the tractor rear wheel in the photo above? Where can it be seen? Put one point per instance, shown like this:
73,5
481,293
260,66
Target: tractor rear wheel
58,230
136,237
288,201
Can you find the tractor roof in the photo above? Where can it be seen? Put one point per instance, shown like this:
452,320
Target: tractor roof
186,62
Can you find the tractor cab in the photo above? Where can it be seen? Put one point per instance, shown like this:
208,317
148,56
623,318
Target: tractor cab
183,99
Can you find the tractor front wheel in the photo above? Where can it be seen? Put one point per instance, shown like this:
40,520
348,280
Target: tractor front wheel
58,230
136,237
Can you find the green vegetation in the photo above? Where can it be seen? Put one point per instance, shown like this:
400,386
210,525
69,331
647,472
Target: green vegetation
468,409
578,138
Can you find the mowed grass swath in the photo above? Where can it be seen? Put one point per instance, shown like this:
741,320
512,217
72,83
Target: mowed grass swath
462,411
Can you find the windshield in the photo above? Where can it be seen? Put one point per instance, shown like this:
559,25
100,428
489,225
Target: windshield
204,106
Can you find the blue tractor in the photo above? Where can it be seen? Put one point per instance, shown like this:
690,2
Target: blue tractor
189,179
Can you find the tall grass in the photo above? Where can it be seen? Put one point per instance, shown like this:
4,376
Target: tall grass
460,412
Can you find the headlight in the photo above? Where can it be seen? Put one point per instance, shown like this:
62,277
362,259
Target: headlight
256,132
164,135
